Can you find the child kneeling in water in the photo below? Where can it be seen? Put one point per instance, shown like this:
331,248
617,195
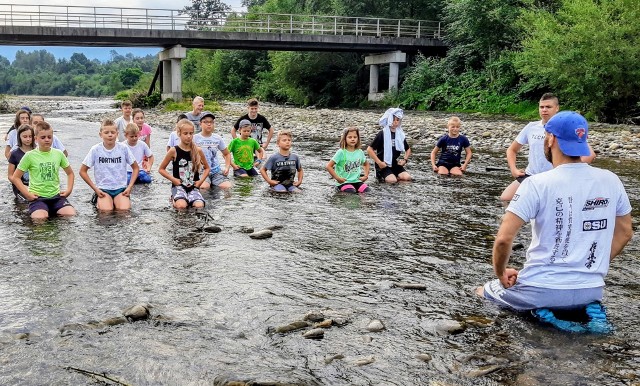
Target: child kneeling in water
283,166
347,165
452,145
44,195
190,168
109,161
141,152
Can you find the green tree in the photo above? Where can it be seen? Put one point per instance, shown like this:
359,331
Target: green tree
588,52
130,76
204,13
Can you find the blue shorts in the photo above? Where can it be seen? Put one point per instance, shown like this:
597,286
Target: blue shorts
280,188
52,204
111,192
217,177
242,172
522,297
191,196
143,177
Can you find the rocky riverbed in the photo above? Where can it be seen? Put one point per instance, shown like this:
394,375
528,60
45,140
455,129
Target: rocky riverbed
423,128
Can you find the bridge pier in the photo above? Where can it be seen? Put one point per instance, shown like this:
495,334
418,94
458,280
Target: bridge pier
171,59
374,61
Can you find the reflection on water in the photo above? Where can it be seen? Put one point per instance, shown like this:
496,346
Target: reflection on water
219,294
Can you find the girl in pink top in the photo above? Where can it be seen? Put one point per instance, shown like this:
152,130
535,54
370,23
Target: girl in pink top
145,130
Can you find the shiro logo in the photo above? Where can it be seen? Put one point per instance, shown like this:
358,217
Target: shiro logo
594,225
594,203
580,132
515,197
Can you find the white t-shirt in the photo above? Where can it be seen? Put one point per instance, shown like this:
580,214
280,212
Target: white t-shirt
12,140
139,151
533,135
121,124
573,210
210,147
109,166
174,140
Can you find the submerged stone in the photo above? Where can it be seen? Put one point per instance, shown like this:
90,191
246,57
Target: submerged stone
114,321
324,324
364,361
212,229
424,357
137,312
445,327
411,286
375,326
292,327
263,234
314,316
246,229
316,333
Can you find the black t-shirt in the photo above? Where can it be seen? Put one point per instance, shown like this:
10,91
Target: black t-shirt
257,126
378,145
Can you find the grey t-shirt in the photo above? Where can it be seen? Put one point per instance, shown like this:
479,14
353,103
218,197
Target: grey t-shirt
283,168
195,119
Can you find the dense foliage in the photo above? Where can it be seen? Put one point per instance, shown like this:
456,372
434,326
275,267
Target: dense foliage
39,73
503,54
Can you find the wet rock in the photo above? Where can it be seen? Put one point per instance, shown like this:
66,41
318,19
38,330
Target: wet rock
482,371
324,324
22,335
274,227
114,321
212,229
364,361
73,327
340,321
375,326
292,327
449,327
517,246
263,234
367,339
411,286
314,316
246,229
137,312
478,321
424,357
330,358
316,333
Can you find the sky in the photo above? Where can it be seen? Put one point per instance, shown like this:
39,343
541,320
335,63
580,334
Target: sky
102,53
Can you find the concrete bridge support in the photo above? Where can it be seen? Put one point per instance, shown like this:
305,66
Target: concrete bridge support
171,59
374,61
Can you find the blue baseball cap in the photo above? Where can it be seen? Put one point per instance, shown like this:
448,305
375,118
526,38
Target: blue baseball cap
571,131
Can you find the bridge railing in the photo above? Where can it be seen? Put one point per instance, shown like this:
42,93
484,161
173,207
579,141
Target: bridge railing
167,19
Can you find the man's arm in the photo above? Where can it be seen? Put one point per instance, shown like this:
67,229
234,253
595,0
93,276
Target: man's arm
510,226
269,136
70,180
512,153
622,234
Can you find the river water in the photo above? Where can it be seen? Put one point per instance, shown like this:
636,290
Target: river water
217,297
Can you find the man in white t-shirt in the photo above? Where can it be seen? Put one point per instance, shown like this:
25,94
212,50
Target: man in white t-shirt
580,218
533,135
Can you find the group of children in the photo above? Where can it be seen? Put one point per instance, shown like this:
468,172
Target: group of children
124,158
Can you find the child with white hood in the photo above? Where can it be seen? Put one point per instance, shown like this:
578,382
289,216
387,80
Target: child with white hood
387,147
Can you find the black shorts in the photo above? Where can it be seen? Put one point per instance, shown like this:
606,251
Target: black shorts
396,170
522,178
448,165
51,204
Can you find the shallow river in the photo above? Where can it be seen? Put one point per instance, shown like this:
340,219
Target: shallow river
216,297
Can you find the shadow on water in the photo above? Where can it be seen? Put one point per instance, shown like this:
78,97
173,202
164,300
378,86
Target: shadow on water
217,296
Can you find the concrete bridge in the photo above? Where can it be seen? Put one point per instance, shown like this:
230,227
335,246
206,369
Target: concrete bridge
389,39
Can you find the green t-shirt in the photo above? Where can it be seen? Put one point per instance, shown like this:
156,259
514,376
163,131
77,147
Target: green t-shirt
43,167
349,164
243,151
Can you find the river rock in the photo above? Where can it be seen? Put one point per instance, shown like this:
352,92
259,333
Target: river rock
324,324
424,357
484,370
137,312
449,327
411,286
274,227
212,229
375,326
364,361
316,333
517,246
114,321
263,234
314,316
292,327
330,358
367,339
246,229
